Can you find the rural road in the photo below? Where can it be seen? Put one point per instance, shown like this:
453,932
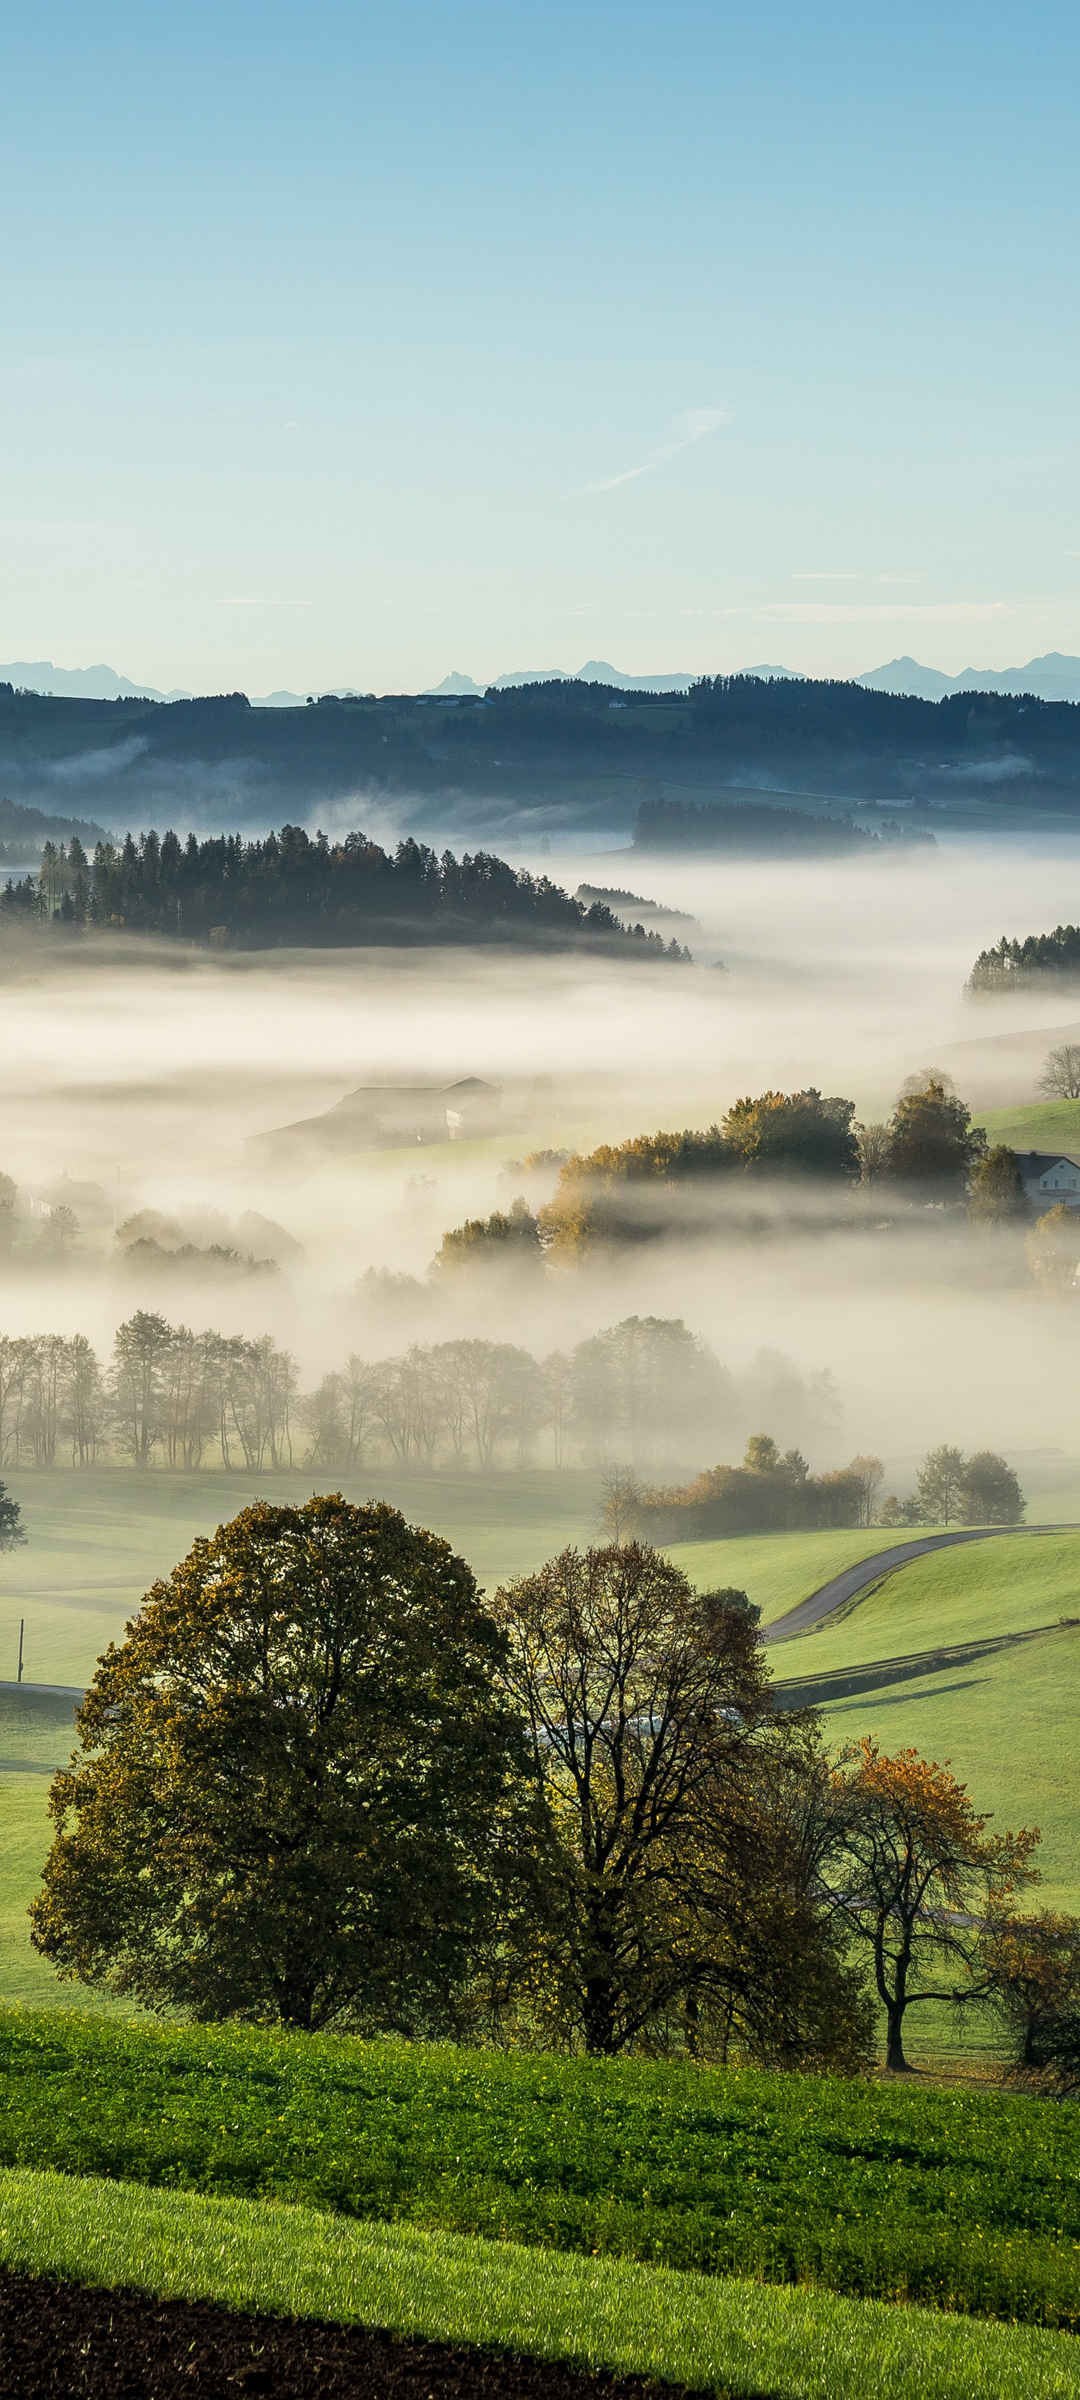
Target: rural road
866,1571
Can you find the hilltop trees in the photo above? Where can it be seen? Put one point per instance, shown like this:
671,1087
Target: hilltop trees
794,1133
914,1872
508,1239
295,1781
291,887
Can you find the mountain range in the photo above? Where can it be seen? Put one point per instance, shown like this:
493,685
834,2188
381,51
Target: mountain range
1056,676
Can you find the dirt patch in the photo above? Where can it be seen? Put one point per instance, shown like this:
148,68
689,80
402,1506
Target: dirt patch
62,2341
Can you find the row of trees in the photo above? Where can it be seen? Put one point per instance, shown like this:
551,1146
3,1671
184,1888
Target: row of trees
641,1390
168,1395
665,1183
292,888
776,1493
1010,963
768,1493
320,1782
953,1490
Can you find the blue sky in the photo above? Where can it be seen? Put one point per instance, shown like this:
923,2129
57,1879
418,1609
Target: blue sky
353,344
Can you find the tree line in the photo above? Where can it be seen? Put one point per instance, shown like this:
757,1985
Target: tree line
659,1184
760,828
291,887
775,1492
321,1781
1011,962
643,1389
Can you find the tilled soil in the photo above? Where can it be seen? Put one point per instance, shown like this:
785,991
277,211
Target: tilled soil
63,2341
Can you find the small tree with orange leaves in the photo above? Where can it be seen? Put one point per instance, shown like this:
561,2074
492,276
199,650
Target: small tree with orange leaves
916,1874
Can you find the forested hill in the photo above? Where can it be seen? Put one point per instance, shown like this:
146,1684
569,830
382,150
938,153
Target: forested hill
559,754
759,829
292,889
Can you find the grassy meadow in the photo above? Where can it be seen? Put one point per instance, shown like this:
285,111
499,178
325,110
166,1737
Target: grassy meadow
962,1654
1043,1125
735,2338
99,1539
1002,1706
956,2199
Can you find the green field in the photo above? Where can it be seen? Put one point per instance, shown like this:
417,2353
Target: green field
98,1540
961,1653
938,1656
780,1569
1045,1125
958,2199
738,2339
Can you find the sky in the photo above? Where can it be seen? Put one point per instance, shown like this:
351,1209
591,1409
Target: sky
349,345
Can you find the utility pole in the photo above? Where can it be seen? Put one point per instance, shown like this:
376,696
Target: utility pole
22,1622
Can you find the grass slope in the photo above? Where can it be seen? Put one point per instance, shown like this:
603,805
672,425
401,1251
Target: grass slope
936,1656
1045,1125
705,2332
960,2199
780,1569
99,1539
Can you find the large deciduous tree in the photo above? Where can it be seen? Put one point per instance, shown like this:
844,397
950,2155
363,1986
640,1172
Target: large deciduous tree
1031,1971
294,1783
794,1133
1060,1078
932,1141
996,1194
678,1911
915,1874
940,1483
990,1491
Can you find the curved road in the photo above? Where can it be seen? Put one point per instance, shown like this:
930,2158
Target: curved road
866,1571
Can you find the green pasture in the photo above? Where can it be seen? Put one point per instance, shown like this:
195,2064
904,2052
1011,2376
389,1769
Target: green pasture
1045,1125
705,2332
778,1570
962,1654
960,2199
99,1539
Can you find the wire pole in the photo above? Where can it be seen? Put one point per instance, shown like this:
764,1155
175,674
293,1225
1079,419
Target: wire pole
22,1622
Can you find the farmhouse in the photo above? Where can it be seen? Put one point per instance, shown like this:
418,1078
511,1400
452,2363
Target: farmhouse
390,1116
1049,1177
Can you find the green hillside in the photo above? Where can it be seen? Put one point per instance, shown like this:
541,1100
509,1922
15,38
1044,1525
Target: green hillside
962,1654
1046,1125
99,1539
778,1570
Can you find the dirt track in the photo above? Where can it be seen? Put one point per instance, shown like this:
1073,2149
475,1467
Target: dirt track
59,2341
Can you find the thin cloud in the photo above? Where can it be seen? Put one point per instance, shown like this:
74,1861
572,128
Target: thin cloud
873,612
846,575
693,425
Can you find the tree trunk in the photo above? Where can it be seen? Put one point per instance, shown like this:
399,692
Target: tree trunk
598,2017
894,2045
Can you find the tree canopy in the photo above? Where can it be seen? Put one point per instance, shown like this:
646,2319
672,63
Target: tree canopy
293,1783
915,1872
679,1897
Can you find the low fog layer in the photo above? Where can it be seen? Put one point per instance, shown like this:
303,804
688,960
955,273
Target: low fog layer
156,1075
